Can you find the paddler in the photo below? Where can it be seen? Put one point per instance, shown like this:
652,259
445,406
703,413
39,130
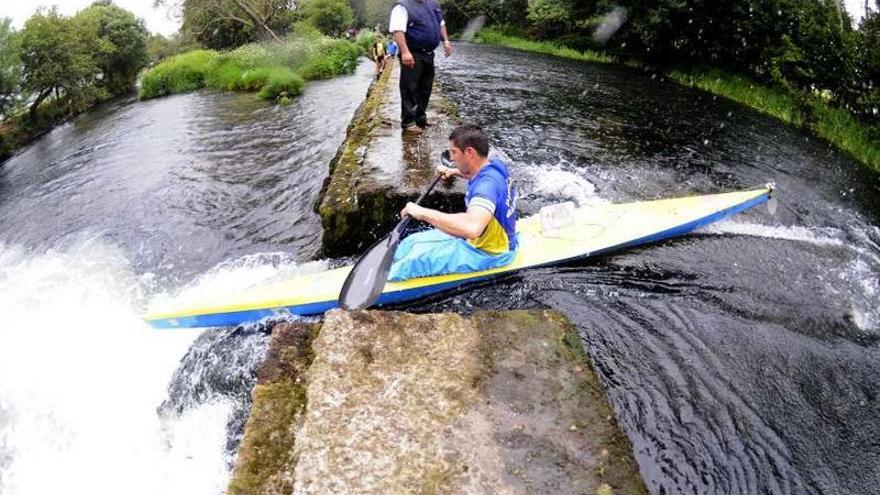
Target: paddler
482,237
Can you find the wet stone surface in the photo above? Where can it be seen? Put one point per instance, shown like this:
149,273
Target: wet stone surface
379,168
498,402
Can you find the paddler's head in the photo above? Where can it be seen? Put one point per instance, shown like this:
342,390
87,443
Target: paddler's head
469,149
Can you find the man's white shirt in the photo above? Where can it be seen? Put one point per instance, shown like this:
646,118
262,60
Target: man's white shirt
400,18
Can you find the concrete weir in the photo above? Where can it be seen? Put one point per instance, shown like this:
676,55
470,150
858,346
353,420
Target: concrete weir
389,402
378,169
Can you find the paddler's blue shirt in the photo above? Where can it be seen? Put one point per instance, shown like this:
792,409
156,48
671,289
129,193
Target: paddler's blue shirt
434,252
491,189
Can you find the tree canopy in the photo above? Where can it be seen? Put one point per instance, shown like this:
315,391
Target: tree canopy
10,65
329,16
87,57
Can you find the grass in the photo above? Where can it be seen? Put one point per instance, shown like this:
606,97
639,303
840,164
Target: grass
771,101
841,128
272,70
546,47
836,125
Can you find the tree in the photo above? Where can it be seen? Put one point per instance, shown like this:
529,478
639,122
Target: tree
329,16
160,47
205,16
119,41
10,66
55,57
210,27
866,83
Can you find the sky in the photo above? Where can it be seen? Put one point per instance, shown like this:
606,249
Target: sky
158,22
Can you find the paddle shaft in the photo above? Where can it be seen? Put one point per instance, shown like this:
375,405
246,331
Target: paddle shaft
401,226
368,276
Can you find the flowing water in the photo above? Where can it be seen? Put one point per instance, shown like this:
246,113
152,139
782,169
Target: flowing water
741,359
132,201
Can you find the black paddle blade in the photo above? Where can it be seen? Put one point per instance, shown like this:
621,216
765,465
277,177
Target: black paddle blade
367,279
446,159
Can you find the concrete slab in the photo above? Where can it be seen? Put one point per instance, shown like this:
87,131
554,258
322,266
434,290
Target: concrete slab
500,402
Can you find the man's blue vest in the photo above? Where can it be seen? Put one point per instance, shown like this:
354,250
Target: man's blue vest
423,24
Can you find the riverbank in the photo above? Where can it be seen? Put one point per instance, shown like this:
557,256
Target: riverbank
835,125
275,71
19,130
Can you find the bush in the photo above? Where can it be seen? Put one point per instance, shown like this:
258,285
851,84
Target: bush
282,81
365,40
179,74
336,57
271,69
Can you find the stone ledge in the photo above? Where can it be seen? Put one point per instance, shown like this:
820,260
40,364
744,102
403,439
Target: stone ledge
500,402
377,170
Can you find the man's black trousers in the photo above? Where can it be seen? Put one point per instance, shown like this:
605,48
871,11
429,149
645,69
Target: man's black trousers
415,89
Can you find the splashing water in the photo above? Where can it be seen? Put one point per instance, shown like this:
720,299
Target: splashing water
81,377
473,27
610,24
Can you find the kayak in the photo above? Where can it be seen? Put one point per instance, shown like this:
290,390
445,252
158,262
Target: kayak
555,236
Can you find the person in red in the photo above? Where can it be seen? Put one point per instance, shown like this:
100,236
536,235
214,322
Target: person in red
417,27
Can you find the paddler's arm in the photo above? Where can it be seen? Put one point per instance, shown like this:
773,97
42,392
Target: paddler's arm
468,225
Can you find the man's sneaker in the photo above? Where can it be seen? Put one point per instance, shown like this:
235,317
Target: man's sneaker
412,129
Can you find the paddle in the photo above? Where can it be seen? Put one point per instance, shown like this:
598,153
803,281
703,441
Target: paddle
367,279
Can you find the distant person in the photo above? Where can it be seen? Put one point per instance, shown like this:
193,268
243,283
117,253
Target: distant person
482,237
418,27
377,53
391,49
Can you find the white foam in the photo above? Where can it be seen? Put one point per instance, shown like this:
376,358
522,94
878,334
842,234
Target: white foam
81,377
556,183
812,235
230,278
865,308
860,273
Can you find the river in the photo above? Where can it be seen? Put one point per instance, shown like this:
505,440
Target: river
740,359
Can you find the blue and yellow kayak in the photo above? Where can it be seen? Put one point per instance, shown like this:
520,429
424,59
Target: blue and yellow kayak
590,231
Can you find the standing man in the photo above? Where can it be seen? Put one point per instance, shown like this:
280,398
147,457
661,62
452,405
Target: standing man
417,27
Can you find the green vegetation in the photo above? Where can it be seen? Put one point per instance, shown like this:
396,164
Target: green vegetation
372,13
272,69
549,48
772,101
160,47
328,16
799,60
10,66
841,128
59,66
224,24
808,110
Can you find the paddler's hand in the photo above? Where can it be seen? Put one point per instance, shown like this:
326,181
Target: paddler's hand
447,48
446,173
412,210
406,58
